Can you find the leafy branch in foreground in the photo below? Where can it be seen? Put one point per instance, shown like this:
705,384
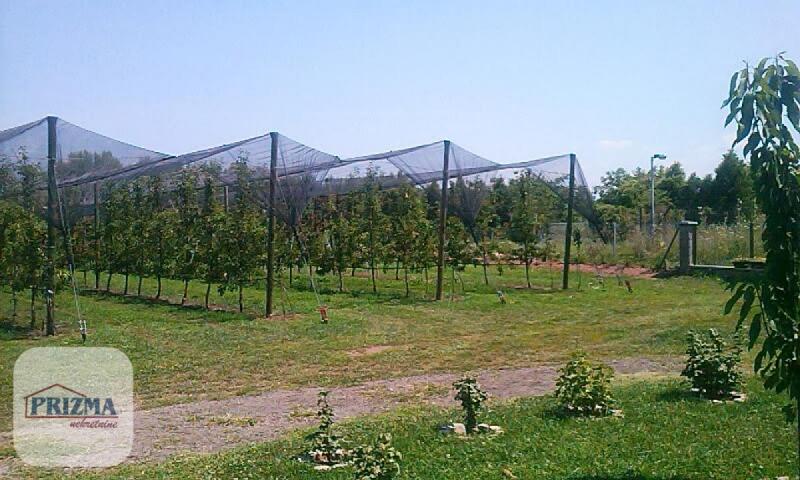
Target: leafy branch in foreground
765,104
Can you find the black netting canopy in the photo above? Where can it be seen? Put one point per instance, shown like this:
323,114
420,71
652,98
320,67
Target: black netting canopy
83,157
79,153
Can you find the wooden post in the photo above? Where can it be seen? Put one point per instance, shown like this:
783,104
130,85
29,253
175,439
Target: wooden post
273,181
442,221
568,229
96,188
50,275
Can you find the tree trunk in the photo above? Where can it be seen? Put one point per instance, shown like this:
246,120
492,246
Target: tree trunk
310,276
125,290
14,305
372,268
527,272
139,287
408,292
241,304
353,271
341,282
291,270
33,306
485,266
397,270
158,289
452,284
208,292
185,291
108,282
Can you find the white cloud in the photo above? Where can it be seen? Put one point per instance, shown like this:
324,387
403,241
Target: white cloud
615,144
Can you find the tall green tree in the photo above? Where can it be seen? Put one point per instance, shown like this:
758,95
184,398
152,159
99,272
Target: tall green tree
187,213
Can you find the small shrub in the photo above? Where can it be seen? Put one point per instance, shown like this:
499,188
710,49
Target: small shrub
472,398
326,446
713,364
377,462
584,388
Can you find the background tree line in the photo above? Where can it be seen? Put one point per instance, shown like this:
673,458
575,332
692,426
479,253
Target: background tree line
724,197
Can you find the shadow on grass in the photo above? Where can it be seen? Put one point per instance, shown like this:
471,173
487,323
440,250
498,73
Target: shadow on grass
220,314
13,331
623,476
678,394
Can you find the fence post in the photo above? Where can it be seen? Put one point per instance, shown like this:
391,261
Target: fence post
568,228
50,280
273,180
442,221
687,230
96,225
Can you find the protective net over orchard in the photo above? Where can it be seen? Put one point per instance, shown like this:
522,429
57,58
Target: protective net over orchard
84,157
287,175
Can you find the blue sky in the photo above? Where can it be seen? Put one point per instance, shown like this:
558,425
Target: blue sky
613,82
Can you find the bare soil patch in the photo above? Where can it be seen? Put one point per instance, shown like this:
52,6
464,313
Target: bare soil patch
367,351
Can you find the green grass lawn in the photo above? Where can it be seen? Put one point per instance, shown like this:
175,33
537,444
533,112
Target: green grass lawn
665,434
182,355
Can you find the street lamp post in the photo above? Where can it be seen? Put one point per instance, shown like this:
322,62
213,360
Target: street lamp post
657,156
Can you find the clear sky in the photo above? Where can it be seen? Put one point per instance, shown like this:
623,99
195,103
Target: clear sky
613,82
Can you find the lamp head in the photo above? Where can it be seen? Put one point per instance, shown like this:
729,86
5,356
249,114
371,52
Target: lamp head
659,156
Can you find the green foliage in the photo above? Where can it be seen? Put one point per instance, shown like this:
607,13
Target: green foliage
380,461
326,446
583,388
472,399
712,365
764,102
724,198
22,255
665,435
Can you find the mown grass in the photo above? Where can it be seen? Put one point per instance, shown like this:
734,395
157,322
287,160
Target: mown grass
182,355
665,434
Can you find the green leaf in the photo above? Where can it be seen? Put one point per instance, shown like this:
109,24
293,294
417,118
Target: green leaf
732,88
746,122
749,297
752,143
735,298
792,69
755,330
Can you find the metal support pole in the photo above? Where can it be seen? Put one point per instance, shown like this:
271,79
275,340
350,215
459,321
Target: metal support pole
568,229
652,196
95,188
273,181
443,221
50,276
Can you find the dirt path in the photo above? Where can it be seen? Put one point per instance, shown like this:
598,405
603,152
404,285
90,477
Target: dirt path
210,426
